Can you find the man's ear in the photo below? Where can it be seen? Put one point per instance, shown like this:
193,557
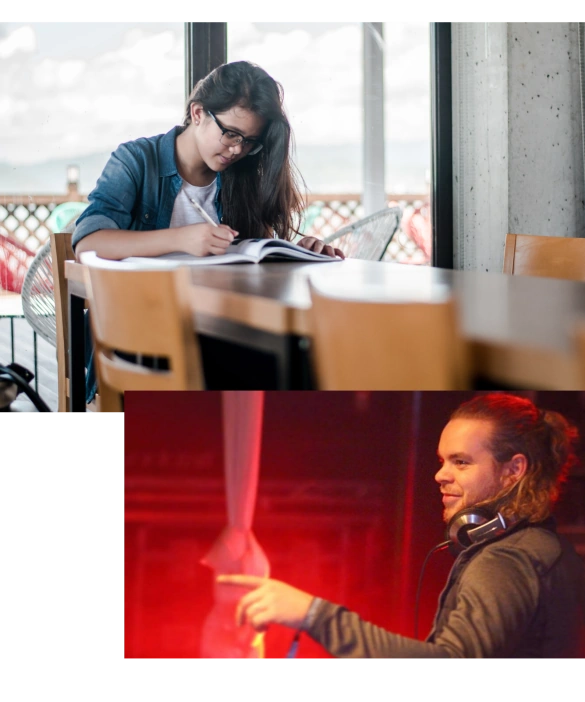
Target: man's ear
514,470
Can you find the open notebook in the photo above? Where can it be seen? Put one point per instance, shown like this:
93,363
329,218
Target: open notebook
244,251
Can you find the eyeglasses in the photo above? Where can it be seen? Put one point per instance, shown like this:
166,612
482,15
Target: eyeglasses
230,138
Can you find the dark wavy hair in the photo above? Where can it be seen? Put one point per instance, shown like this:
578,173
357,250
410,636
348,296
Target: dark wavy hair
259,192
547,440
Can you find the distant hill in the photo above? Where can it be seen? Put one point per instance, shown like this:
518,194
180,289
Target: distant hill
324,168
50,176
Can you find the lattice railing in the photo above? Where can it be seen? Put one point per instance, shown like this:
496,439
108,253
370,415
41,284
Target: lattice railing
24,217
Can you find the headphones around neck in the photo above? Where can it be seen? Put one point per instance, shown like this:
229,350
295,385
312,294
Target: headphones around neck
475,524
467,527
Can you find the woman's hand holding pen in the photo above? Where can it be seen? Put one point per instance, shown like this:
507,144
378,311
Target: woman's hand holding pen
203,239
268,602
316,245
211,238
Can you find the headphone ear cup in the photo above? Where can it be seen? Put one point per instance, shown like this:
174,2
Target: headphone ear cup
463,521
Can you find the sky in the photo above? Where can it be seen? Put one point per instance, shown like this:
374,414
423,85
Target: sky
69,89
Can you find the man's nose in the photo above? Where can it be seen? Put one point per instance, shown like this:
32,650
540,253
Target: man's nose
443,475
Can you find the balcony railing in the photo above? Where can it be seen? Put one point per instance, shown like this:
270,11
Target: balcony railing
24,218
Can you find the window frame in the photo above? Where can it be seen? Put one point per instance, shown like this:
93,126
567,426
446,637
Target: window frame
205,49
441,146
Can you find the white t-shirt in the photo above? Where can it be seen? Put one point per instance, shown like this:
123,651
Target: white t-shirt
183,211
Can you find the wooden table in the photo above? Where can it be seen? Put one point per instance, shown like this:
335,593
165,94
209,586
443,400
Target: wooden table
519,328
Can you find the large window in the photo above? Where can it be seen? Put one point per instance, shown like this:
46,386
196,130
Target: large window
71,92
320,66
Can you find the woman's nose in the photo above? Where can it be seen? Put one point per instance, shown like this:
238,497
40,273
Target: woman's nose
236,149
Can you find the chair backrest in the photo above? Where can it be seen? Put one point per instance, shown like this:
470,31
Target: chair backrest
142,313
387,345
545,256
61,251
368,238
38,302
580,342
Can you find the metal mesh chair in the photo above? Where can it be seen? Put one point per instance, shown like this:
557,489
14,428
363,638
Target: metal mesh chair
368,238
38,300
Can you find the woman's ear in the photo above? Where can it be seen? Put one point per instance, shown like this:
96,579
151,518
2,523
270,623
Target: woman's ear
197,113
514,470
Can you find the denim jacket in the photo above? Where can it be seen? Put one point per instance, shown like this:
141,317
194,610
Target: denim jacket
137,188
136,191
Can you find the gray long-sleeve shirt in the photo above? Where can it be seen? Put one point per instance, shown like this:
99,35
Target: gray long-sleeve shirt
521,595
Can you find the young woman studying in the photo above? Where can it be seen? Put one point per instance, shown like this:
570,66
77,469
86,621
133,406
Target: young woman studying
231,156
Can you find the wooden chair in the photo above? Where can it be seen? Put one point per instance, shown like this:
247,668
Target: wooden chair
142,313
545,256
61,251
386,345
579,351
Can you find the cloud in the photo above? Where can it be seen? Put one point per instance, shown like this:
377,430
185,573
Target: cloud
54,75
321,77
63,106
323,84
22,39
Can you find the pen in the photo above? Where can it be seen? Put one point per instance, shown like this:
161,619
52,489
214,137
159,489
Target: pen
202,212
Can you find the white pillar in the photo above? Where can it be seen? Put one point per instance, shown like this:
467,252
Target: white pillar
374,193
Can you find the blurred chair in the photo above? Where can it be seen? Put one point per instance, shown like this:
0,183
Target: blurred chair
142,315
545,256
15,260
367,238
64,216
416,224
579,349
399,345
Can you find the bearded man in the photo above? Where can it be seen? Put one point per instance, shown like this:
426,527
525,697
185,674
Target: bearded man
516,589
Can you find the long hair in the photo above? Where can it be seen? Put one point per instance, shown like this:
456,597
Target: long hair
545,438
259,192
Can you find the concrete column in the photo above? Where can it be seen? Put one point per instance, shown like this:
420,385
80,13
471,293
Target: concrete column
545,137
480,144
517,137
